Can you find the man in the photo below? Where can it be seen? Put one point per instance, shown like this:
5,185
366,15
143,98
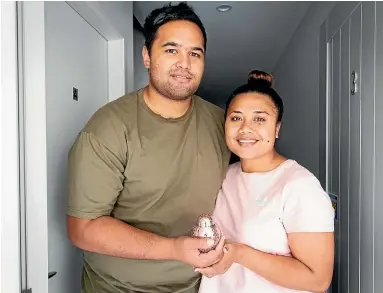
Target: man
146,166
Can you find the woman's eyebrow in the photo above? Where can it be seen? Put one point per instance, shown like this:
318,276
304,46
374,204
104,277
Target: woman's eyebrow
255,112
261,112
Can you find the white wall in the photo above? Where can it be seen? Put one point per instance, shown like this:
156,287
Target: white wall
297,82
38,151
71,60
120,16
140,72
9,180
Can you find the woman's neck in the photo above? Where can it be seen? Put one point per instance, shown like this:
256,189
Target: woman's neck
263,164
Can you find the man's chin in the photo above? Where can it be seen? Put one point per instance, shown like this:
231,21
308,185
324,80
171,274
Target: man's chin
181,94
175,91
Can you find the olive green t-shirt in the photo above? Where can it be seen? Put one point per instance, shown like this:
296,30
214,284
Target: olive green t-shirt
153,173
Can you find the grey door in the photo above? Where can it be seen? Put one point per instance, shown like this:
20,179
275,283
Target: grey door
354,165
378,167
355,136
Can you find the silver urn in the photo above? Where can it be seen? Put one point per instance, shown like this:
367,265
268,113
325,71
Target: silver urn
206,227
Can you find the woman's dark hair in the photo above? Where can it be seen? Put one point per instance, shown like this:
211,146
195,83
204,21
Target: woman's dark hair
259,82
165,14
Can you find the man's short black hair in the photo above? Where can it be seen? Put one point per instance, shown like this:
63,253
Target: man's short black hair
160,16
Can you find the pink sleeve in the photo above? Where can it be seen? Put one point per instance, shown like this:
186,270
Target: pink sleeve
307,207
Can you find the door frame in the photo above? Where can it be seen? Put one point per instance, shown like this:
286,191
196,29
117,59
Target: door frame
91,12
329,28
30,96
341,12
335,20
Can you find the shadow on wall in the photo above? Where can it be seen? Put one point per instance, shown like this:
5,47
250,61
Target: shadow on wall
140,72
297,82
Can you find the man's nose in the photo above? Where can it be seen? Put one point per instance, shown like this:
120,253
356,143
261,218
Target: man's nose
184,61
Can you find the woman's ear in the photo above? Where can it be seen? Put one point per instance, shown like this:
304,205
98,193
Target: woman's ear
146,57
278,129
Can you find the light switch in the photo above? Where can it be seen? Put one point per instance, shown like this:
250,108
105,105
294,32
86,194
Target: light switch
75,94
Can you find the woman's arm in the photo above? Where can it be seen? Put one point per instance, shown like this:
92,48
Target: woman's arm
308,219
309,269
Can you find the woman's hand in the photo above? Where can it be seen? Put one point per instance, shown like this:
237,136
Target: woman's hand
230,251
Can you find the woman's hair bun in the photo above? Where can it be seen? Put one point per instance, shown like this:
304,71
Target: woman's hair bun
260,78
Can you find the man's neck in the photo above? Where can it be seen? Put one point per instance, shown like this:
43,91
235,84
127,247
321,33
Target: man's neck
164,106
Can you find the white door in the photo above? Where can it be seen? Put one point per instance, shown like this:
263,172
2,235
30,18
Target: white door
76,60
71,62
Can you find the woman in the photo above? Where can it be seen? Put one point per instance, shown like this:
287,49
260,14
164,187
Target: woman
277,219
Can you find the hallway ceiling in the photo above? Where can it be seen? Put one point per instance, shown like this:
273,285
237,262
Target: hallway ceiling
253,35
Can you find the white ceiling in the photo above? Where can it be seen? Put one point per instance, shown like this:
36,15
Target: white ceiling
253,35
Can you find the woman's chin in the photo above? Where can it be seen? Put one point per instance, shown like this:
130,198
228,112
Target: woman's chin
245,155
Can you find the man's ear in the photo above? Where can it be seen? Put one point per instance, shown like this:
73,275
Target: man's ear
146,57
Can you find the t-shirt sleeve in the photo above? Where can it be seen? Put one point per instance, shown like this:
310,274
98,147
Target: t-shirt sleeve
307,207
96,165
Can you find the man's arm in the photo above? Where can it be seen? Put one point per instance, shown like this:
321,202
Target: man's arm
96,165
95,179
107,235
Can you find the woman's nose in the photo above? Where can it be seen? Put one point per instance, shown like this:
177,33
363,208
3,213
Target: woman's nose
246,127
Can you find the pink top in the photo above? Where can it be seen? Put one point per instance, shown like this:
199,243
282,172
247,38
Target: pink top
259,209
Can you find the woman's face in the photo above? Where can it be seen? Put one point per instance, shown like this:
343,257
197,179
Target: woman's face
251,125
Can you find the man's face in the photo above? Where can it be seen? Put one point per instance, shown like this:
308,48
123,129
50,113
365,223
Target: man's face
176,60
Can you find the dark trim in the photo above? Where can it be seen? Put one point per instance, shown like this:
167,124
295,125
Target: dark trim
322,104
137,25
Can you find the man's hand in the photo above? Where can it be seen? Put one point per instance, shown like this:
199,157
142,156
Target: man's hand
186,249
223,265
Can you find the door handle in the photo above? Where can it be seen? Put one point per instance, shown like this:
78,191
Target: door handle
354,77
51,274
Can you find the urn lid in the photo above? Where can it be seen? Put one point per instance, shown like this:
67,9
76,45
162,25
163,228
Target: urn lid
205,221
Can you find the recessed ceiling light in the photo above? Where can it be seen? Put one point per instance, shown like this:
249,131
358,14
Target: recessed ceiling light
224,8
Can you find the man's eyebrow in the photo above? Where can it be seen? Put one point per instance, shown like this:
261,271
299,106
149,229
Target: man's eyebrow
198,49
174,44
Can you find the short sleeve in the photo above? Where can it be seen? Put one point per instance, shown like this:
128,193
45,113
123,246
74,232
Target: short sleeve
307,207
96,165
